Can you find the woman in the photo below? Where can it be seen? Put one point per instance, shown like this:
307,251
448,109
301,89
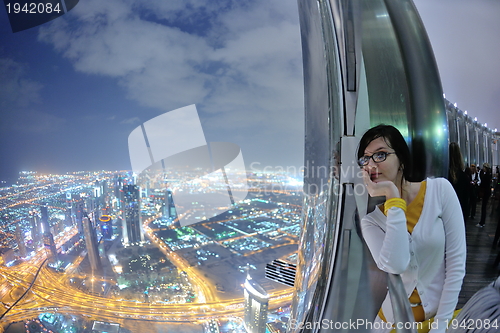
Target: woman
418,232
458,177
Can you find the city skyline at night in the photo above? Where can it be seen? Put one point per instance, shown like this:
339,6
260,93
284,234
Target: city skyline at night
196,264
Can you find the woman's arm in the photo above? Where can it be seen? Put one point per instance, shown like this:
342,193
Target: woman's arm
389,249
455,252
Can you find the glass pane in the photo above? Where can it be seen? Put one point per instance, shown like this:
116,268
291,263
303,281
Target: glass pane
151,165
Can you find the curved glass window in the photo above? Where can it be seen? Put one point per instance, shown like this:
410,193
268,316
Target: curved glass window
151,165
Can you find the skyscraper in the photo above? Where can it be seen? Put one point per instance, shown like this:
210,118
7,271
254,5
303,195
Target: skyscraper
256,304
68,218
78,205
48,238
131,207
44,211
168,207
91,244
20,241
68,200
91,204
118,187
35,228
104,199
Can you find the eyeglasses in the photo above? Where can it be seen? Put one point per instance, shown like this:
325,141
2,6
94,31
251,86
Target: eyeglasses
377,157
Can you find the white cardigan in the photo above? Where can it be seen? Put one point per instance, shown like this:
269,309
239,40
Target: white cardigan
431,258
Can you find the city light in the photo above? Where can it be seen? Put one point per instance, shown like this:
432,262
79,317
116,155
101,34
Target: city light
83,225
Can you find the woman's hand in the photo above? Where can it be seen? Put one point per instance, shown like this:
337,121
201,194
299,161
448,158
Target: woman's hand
384,188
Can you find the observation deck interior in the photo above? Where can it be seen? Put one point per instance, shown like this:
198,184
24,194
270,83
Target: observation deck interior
480,266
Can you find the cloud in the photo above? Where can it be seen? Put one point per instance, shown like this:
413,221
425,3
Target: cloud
153,62
256,65
19,98
239,62
131,121
36,122
16,89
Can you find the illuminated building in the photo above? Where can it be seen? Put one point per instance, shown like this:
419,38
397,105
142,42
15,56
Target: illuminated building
45,219
48,238
78,206
50,245
68,200
106,225
35,228
131,206
68,220
147,189
91,243
256,304
118,186
100,193
168,207
104,193
91,205
20,241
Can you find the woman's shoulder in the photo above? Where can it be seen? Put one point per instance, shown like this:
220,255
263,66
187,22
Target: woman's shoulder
436,180
436,184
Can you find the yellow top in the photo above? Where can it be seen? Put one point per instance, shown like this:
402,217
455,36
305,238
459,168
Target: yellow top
413,211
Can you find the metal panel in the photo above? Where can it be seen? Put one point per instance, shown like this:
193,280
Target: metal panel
367,59
463,140
480,145
451,116
473,142
323,105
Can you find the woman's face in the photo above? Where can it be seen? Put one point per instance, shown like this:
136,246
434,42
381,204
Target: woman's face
387,170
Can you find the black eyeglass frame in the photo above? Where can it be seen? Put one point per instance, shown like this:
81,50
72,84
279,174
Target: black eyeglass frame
366,158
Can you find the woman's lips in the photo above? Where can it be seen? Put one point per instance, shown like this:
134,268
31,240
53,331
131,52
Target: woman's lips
374,176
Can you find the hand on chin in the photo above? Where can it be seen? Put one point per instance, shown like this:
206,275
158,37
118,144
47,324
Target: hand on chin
377,186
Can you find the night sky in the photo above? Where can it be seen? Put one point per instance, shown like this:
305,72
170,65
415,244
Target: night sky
73,89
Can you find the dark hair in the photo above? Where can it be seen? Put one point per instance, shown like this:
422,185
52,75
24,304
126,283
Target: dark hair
456,162
394,140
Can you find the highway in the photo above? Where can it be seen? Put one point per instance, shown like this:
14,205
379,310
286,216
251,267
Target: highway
50,294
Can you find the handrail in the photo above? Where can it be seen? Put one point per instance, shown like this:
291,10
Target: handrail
400,305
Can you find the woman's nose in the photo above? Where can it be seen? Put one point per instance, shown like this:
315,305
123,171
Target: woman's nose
371,164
